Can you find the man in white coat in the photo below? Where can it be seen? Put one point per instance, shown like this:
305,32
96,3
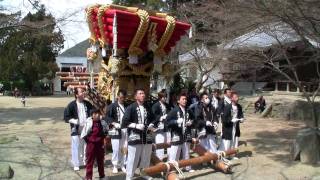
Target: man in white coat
114,117
76,114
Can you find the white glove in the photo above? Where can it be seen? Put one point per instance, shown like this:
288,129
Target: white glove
150,126
234,120
208,123
132,125
116,125
163,117
189,123
215,125
73,121
140,126
180,121
241,120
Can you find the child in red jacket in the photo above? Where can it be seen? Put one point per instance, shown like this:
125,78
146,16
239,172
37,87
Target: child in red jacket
94,133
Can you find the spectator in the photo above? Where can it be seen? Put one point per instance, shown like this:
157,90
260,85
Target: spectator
93,133
260,105
23,100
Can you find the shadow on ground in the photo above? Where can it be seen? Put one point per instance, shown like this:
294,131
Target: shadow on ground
36,115
275,144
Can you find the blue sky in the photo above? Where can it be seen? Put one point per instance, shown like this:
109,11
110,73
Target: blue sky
75,28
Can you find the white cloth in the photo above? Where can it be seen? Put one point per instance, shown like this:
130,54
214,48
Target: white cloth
211,143
168,141
119,159
234,116
138,153
184,119
121,113
160,138
225,145
215,102
87,128
142,113
174,152
116,153
204,143
124,144
183,112
163,108
227,100
77,151
145,156
134,152
82,115
229,144
186,153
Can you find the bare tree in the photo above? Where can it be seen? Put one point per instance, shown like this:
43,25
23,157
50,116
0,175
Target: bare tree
205,63
282,23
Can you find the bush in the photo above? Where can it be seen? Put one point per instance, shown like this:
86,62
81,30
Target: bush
15,84
7,93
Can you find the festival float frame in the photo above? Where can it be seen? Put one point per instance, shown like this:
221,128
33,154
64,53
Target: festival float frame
133,44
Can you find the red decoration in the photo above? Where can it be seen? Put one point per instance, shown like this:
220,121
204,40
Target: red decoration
127,25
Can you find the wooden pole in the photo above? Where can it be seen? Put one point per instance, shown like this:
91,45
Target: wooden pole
172,176
69,78
74,74
207,157
79,86
221,166
161,146
75,83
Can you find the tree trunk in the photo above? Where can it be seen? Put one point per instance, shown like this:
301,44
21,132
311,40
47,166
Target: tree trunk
315,115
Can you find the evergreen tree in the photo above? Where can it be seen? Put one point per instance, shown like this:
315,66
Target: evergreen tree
29,47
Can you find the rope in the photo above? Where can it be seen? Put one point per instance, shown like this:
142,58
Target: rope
221,157
175,164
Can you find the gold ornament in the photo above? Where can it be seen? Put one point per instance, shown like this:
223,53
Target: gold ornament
134,48
89,12
91,54
103,40
171,23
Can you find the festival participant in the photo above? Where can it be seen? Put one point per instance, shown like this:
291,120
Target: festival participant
114,117
231,118
160,110
180,125
94,132
206,122
215,99
260,105
225,100
23,100
76,114
138,121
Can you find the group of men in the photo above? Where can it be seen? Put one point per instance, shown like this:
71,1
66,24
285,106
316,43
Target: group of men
135,127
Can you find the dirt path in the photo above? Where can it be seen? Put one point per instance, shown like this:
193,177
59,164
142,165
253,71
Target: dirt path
264,151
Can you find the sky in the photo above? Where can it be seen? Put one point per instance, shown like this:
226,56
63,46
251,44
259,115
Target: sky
74,29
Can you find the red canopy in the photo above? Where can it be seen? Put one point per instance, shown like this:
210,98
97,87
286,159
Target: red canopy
128,23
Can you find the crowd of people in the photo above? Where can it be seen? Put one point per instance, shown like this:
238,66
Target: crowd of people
135,127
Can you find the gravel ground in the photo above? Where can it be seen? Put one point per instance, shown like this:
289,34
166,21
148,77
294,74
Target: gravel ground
264,151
